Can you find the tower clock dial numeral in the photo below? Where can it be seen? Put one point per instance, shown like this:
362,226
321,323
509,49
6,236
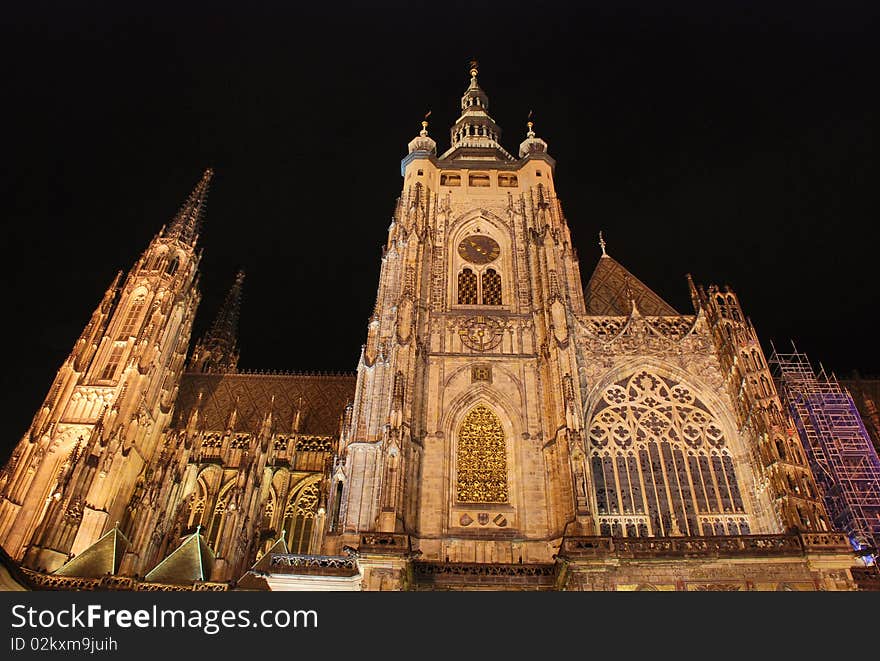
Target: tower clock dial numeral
479,249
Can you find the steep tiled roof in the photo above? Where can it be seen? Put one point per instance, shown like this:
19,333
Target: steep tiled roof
612,287
321,398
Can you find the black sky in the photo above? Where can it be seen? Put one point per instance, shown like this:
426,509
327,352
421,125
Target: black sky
738,144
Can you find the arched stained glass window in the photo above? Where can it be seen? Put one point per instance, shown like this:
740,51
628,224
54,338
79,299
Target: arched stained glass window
482,458
660,462
467,287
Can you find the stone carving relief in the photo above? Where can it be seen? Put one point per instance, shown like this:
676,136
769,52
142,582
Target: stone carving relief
481,333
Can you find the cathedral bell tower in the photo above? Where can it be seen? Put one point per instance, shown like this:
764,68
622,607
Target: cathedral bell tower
71,477
466,430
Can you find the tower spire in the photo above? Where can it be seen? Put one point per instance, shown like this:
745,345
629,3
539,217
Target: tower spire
475,131
423,142
187,222
531,145
217,350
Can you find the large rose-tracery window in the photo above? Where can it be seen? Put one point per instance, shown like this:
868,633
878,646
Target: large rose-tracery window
482,458
660,463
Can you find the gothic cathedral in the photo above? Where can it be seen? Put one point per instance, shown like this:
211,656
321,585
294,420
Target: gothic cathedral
507,428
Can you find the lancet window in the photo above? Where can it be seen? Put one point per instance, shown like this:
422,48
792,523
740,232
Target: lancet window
491,287
112,364
467,287
482,458
131,318
660,463
485,290
299,517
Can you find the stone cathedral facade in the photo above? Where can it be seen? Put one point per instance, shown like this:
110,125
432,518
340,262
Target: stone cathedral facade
508,426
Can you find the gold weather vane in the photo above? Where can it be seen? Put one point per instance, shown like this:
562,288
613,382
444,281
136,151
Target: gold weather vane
474,68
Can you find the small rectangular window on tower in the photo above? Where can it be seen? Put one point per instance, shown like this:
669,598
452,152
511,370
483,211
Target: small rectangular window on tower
481,373
479,180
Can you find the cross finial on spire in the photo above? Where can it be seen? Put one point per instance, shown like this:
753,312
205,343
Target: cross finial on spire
602,244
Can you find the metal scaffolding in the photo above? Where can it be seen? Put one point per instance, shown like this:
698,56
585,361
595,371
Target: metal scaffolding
839,449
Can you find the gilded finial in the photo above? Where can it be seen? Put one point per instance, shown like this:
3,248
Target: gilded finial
424,130
474,68
602,244
530,133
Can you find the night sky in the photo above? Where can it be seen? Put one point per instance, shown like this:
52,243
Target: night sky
739,145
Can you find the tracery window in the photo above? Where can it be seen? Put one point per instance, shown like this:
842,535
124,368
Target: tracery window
467,287
482,458
660,463
491,287
131,318
216,526
299,517
112,364
196,505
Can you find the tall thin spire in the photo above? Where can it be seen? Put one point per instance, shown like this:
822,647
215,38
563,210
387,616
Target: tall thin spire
187,222
217,351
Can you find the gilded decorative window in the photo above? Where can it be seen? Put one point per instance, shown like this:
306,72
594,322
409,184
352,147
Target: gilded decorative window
467,287
299,517
491,287
482,458
660,463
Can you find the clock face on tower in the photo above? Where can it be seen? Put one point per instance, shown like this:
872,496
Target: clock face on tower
479,249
